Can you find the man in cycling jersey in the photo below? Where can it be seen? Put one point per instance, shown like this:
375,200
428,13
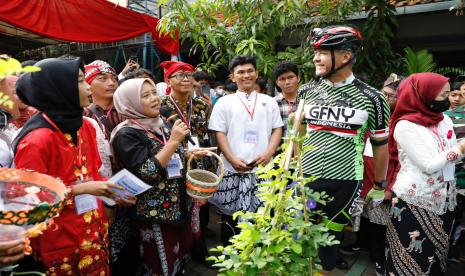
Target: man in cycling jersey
339,109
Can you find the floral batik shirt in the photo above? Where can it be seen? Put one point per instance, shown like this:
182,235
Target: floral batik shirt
197,117
166,202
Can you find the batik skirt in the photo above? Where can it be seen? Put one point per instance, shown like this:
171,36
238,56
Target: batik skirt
417,240
164,248
237,192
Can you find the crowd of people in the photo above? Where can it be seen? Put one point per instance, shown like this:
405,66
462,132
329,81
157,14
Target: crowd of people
392,157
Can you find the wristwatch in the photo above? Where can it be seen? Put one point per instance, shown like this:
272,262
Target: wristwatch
382,184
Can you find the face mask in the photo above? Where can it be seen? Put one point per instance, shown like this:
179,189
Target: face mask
440,106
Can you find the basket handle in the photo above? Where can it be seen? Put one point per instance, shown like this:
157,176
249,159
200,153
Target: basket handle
209,153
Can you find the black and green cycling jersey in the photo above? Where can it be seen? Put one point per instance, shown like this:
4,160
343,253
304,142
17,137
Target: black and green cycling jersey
337,117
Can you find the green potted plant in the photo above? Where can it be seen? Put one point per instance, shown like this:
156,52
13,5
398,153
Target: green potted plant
283,236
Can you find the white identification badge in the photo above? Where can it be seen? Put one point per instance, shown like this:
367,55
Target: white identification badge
107,148
192,147
448,172
250,134
173,169
85,203
176,156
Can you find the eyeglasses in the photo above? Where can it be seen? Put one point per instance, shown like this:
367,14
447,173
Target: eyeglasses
181,76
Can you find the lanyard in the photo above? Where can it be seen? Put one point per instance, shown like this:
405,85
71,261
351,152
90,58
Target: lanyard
188,123
79,143
150,134
108,114
246,108
105,117
440,140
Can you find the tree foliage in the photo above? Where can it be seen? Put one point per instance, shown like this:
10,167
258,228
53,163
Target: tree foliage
423,61
221,29
378,59
11,66
416,62
451,71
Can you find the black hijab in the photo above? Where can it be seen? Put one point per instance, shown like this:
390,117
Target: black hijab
54,91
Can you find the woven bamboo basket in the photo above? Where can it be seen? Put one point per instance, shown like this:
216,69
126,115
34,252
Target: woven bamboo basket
202,184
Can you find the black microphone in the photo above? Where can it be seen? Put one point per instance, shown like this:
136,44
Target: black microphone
167,112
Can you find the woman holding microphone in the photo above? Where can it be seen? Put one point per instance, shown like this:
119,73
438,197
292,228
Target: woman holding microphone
146,148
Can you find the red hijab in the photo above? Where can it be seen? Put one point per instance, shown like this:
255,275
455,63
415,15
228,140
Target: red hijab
415,93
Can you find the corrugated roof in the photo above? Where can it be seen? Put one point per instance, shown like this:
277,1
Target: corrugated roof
414,6
413,2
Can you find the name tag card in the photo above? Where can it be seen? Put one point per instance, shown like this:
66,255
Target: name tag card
173,169
448,172
251,137
107,147
85,203
176,156
251,133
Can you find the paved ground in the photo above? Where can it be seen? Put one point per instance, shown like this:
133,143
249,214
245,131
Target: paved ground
360,265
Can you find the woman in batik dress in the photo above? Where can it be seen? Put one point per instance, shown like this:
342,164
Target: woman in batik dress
146,148
424,197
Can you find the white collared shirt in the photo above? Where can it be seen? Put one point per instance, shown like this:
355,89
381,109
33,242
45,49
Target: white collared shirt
230,117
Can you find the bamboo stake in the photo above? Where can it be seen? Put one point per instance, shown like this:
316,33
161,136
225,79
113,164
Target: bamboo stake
295,128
